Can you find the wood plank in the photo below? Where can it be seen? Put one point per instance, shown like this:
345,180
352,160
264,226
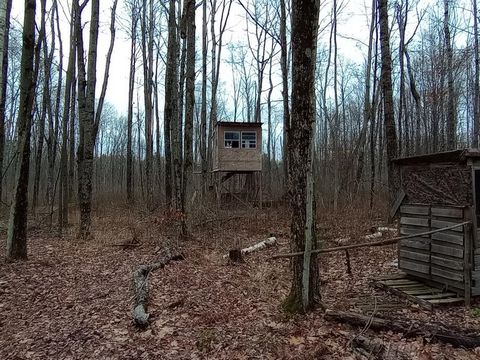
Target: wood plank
423,291
410,230
404,220
449,237
398,201
456,213
476,291
446,301
476,274
399,282
476,262
448,274
411,265
449,263
451,284
414,256
408,286
447,250
416,243
437,296
438,224
423,303
467,262
400,275
415,210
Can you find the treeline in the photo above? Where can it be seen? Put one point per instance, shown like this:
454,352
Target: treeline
189,68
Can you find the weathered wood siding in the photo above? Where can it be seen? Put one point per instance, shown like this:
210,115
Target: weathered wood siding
237,159
443,184
438,257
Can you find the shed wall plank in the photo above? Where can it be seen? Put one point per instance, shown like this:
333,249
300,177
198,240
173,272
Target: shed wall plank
413,221
446,250
418,267
449,263
455,213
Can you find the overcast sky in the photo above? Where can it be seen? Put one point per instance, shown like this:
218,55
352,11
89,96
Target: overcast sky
353,29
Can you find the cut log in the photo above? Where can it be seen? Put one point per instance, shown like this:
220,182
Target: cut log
258,246
235,255
436,332
140,286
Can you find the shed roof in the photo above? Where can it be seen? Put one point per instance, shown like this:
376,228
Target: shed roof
452,156
245,124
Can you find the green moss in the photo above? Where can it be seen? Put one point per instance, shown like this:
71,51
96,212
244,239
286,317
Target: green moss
476,312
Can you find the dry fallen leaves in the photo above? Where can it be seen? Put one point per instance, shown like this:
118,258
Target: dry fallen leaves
73,301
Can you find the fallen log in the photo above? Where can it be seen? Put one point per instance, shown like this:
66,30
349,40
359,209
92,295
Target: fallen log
140,286
375,349
258,246
436,332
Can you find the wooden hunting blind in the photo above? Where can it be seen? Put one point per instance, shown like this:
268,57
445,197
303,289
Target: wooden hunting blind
437,191
237,153
237,146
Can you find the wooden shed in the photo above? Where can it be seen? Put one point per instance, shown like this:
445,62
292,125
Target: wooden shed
237,146
437,191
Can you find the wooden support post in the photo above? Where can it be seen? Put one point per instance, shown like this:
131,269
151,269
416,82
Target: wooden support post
218,193
260,190
467,259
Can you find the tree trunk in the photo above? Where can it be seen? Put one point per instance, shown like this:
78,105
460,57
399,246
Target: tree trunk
171,102
88,117
203,121
451,117
131,88
147,55
476,93
17,225
189,109
387,90
66,118
285,94
6,8
304,38
41,42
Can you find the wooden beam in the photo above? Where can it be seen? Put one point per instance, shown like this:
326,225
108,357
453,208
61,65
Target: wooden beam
398,201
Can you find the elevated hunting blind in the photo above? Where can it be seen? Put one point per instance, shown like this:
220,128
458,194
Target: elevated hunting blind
438,191
237,155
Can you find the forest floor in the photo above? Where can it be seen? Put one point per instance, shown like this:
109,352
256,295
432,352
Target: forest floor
74,300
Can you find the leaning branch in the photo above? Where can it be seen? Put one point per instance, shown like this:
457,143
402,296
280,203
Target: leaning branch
371,244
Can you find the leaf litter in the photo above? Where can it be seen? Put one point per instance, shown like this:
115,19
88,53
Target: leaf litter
73,300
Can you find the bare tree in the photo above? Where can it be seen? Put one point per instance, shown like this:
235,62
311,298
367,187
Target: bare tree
170,117
476,94
189,23
89,117
304,292
131,87
387,90
203,111
66,119
6,8
17,225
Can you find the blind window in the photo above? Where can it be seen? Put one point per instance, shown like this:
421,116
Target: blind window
249,140
232,139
